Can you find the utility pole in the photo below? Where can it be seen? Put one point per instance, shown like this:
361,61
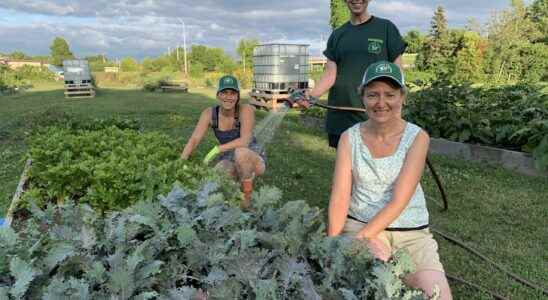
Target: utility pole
243,58
178,46
184,45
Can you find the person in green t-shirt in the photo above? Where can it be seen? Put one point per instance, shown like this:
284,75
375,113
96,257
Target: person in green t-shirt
351,48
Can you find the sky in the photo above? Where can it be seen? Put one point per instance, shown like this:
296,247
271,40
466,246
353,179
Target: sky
148,28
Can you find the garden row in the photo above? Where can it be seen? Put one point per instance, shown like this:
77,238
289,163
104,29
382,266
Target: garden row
97,227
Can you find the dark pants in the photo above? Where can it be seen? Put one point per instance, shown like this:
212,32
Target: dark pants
333,140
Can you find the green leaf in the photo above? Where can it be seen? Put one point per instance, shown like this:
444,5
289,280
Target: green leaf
464,135
185,235
56,290
24,274
57,254
4,292
8,237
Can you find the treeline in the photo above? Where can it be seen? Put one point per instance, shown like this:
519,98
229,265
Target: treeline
510,48
204,65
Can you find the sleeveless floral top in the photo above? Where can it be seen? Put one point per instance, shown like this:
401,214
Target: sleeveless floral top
373,182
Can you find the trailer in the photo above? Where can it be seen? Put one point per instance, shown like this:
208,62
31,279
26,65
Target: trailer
78,80
277,69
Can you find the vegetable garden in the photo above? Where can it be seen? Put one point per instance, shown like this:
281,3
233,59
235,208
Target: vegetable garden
110,210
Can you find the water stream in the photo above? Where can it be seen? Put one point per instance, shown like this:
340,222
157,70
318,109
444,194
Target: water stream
265,130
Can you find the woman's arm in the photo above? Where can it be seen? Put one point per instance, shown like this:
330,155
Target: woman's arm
326,81
197,134
341,188
247,121
404,188
397,61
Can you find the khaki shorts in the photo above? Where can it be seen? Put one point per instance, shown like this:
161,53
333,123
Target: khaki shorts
419,243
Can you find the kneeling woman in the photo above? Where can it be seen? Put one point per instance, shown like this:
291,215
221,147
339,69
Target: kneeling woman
376,194
232,123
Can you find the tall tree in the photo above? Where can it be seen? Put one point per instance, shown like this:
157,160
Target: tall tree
438,25
538,13
468,58
60,51
512,55
339,13
414,40
129,64
19,55
437,47
245,51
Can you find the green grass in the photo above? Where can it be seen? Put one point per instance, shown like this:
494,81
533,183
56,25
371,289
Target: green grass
500,213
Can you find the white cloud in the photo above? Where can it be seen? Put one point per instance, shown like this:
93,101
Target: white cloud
148,27
403,8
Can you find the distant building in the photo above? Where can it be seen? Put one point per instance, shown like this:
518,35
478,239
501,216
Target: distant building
317,63
112,69
16,64
3,60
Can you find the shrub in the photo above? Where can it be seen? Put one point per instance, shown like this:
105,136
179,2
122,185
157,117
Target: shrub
513,117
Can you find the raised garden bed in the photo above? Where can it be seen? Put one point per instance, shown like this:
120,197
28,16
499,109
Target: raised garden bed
519,162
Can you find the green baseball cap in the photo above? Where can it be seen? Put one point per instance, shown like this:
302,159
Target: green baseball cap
383,69
228,82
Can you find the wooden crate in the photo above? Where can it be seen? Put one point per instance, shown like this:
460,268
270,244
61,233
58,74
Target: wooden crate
268,100
84,90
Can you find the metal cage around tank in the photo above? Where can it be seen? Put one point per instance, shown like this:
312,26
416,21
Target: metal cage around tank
277,68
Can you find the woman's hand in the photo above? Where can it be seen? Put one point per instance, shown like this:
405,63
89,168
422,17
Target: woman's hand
379,249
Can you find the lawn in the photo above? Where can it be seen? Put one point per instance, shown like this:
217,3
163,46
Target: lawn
500,213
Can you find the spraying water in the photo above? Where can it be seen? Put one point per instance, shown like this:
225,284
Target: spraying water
264,131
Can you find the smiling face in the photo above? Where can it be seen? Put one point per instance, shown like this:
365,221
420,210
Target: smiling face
357,7
383,101
228,98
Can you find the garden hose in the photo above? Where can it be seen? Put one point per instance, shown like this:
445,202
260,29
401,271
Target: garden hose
477,287
489,261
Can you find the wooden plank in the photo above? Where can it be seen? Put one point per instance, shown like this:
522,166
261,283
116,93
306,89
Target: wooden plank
19,192
166,88
80,94
269,96
78,86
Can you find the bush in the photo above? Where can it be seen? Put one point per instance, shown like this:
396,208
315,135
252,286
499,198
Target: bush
12,81
414,77
152,81
512,117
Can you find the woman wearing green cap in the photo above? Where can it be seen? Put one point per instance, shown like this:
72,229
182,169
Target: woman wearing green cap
376,194
238,152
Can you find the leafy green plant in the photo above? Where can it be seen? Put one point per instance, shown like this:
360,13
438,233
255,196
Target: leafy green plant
188,245
512,117
109,168
314,112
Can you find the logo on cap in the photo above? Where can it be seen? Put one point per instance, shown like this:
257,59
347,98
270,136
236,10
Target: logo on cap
228,80
383,69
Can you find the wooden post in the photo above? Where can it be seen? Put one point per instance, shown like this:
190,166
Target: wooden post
18,192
